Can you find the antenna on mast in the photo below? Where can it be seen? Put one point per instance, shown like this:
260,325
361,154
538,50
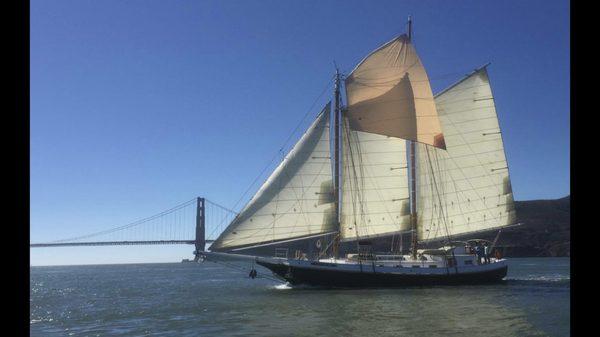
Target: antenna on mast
409,28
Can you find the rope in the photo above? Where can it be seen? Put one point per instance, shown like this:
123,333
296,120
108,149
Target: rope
233,266
284,144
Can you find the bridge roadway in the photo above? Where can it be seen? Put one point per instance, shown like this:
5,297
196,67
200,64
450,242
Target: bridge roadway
115,243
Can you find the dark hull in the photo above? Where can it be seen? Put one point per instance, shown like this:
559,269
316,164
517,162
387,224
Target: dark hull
336,278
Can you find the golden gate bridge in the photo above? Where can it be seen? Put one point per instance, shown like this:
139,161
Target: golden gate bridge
195,222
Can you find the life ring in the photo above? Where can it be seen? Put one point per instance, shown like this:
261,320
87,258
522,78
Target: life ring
318,243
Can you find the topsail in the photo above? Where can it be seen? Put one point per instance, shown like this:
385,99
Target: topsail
389,94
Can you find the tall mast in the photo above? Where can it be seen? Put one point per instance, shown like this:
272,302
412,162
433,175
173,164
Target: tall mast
336,162
409,28
412,179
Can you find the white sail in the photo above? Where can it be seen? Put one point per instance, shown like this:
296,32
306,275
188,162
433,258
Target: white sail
374,185
389,94
465,188
296,201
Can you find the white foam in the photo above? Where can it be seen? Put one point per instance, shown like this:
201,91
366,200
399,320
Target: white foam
283,286
546,278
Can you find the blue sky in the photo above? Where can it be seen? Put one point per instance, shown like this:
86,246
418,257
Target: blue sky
137,106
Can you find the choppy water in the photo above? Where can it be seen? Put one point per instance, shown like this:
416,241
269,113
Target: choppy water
210,300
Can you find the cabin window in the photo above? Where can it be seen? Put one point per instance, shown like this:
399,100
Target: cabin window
468,262
416,266
432,266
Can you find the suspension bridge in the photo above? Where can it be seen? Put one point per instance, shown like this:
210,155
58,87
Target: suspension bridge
196,222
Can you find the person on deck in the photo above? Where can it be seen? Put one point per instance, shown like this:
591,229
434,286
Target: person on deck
478,252
481,254
486,253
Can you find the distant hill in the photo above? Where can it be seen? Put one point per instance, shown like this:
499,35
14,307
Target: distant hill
546,229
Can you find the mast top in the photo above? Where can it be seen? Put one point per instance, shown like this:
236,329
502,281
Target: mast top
409,28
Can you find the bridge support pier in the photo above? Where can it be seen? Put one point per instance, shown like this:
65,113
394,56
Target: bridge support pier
200,229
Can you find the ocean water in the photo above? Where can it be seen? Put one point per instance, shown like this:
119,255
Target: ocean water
209,299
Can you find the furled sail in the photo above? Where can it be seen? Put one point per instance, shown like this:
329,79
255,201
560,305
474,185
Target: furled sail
296,201
465,188
374,185
389,94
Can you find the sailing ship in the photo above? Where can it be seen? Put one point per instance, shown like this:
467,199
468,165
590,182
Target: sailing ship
401,161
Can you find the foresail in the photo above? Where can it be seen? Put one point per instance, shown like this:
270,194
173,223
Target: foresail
296,200
465,188
374,185
389,94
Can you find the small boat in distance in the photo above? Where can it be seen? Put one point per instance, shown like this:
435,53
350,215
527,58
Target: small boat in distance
401,161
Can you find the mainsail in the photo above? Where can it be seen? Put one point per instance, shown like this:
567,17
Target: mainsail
465,188
374,185
389,94
296,201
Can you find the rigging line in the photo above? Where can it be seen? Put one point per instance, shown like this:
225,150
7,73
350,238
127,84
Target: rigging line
475,154
441,216
324,251
224,217
457,191
465,178
430,184
361,196
232,266
132,224
352,169
443,193
280,215
373,180
293,190
435,212
396,78
298,203
285,143
220,206
439,199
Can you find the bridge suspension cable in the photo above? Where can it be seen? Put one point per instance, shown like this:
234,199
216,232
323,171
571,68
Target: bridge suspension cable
176,225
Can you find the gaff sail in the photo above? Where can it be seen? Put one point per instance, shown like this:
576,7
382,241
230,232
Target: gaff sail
374,185
389,94
296,201
465,188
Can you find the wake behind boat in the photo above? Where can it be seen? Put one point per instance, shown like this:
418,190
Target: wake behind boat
401,161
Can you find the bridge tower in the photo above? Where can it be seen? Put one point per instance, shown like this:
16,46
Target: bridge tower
200,241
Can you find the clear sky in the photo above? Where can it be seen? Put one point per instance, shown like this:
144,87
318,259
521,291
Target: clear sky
137,106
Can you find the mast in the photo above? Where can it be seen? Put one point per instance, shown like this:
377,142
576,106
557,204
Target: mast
409,28
412,179
336,162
